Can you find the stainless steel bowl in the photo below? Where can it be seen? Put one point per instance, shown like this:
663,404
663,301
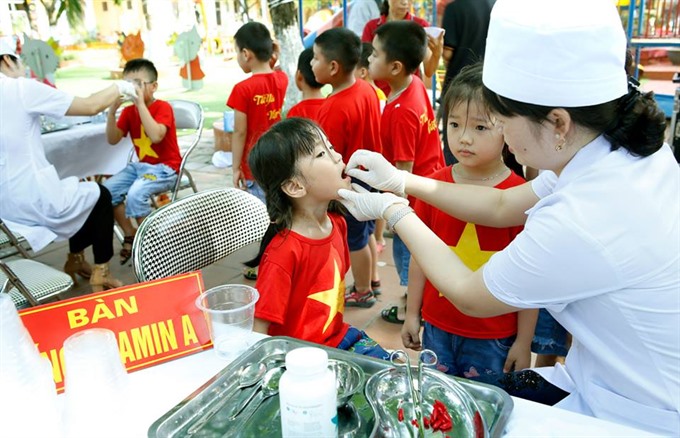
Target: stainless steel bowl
387,392
349,379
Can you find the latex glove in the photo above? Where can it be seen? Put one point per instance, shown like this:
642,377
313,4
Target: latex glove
377,172
127,90
365,205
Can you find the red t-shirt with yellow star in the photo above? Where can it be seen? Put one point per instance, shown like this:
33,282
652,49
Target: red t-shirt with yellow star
166,151
302,288
260,97
474,244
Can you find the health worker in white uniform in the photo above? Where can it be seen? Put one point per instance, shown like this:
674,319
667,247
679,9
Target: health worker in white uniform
601,242
34,202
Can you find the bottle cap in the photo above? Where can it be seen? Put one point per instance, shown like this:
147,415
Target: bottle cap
306,360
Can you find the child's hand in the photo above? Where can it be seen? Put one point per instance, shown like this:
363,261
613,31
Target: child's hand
238,179
519,357
410,332
436,45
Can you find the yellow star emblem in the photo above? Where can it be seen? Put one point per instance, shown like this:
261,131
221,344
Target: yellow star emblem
468,249
144,145
334,298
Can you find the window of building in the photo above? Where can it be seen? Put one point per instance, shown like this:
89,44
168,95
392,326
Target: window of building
129,4
218,12
105,6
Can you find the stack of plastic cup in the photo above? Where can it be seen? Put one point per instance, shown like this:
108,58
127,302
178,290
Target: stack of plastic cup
27,391
96,383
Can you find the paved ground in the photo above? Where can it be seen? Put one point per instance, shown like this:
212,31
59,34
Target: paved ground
229,270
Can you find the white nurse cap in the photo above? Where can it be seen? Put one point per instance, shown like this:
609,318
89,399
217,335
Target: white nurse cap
7,46
559,53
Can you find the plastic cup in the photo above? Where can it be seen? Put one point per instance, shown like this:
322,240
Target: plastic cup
230,310
95,381
434,31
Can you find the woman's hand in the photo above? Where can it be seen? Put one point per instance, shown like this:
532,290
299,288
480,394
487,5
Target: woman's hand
365,205
377,172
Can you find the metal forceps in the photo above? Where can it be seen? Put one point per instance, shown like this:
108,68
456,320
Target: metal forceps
425,358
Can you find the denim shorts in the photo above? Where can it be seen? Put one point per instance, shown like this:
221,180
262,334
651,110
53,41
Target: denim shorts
402,259
549,337
357,341
135,185
254,189
358,232
466,357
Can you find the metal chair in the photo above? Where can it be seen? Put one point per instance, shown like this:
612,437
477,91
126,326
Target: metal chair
196,231
188,115
11,243
29,282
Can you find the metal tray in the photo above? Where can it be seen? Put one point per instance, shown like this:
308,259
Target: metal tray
355,420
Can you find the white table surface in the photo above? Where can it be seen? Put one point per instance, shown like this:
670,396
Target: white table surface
82,151
156,390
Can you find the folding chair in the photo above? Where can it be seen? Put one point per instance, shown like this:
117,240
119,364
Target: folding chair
188,115
12,244
29,282
196,231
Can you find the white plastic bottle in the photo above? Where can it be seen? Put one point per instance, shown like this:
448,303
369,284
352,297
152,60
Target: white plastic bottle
308,395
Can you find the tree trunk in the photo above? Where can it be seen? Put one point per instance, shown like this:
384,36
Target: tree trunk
285,21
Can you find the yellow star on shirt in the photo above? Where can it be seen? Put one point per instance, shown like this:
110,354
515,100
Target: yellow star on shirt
144,145
469,251
334,298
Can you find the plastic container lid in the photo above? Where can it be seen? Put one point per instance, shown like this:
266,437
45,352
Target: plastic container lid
306,360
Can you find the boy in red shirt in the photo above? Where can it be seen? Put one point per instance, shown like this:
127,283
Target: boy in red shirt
408,129
350,116
256,101
151,125
312,99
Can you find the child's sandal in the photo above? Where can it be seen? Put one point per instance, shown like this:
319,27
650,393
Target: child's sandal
126,251
356,299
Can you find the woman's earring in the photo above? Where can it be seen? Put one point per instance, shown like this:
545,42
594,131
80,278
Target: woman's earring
560,144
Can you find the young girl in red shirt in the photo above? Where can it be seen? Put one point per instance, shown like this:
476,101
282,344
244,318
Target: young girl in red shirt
304,255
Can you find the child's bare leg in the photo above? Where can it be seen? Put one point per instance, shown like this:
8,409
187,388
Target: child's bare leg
123,221
379,230
375,276
362,263
128,231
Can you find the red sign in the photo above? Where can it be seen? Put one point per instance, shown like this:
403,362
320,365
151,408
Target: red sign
154,322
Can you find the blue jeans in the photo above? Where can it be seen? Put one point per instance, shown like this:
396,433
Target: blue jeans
254,189
402,259
137,183
466,357
549,337
357,341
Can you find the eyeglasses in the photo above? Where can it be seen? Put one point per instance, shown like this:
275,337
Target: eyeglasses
139,82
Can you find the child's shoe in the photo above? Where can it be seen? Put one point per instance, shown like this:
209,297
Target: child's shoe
356,299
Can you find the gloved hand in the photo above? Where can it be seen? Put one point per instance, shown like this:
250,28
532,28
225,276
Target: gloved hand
365,205
127,90
378,173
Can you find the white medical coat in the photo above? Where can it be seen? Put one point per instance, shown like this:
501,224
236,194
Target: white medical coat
601,251
33,200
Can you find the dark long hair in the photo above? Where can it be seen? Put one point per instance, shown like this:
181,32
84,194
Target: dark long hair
633,122
273,161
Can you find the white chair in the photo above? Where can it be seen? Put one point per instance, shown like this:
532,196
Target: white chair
196,231
188,115
12,243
